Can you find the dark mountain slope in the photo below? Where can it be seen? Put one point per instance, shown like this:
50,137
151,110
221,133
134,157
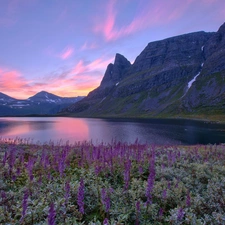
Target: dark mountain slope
175,76
208,92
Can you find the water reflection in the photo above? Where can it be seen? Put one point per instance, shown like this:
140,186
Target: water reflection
167,132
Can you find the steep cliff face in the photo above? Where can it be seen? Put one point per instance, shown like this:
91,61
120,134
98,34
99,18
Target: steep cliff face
115,72
208,92
177,75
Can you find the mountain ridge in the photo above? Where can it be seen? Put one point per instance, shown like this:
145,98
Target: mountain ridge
42,103
177,76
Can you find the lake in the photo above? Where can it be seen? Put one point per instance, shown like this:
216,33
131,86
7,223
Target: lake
157,131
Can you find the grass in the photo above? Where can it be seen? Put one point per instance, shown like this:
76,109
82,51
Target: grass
114,183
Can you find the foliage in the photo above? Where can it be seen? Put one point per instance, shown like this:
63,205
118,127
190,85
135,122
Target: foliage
115,183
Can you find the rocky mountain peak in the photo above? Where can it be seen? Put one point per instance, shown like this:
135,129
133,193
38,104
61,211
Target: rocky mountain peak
222,29
215,52
114,72
120,59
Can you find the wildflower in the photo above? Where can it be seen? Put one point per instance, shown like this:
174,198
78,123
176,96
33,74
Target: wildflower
62,163
106,221
51,215
151,180
127,173
80,197
12,159
168,185
138,206
67,190
30,166
137,222
24,204
180,214
105,199
160,213
188,199
164,194
5,158
18,171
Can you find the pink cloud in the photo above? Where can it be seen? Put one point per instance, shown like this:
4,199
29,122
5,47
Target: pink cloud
98,64
79,80
66,53
12,82
79,68
152,14
87,46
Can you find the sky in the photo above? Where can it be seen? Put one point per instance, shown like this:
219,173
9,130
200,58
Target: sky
64,46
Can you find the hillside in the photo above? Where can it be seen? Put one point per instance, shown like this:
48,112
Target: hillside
177,76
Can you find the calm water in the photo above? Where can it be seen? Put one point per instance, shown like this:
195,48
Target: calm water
156,131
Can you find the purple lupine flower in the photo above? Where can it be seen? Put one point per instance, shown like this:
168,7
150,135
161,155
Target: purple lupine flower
164,194
21,159
24,203
140,169
173,157
160,213
3,195
30,166
138,210
12,159
46,161
5,158
169,185
106,221
62,162
105,199
67,191
150,185
80,197
178,181
49,176
127,173
18,171
97,169
151,180
51,215
61,167
138,206
14,178
180,214
188,199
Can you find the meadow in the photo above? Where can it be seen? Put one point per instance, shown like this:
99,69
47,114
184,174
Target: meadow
114,183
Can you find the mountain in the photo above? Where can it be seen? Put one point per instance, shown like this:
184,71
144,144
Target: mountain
40,104
177,76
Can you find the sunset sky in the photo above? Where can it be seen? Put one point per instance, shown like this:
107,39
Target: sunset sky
64,46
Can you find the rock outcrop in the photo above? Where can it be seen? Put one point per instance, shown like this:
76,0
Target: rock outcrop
115,72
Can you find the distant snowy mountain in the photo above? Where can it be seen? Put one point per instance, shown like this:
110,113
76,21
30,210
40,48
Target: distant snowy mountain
5,98
39,104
